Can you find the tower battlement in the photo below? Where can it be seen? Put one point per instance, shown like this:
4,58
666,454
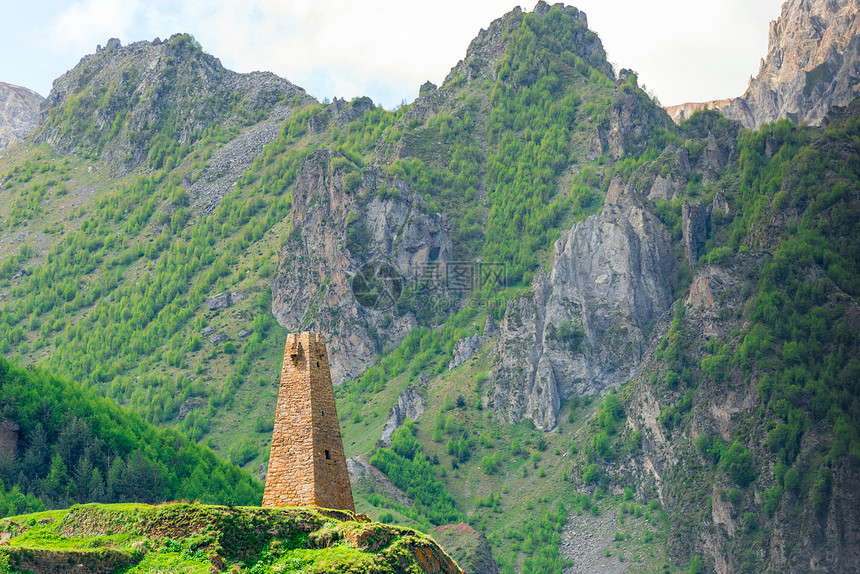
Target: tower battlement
307,465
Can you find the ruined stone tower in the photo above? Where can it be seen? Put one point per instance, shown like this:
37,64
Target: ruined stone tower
307,465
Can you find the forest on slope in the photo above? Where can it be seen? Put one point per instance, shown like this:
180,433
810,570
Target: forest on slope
83,448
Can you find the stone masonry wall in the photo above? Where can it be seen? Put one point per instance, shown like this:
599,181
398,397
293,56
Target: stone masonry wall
9,437
307,465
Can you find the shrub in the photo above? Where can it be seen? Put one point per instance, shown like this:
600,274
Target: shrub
737,461
734,495
750,521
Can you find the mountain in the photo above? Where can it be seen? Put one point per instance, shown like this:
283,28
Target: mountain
594,337
812,65
143,100
19,113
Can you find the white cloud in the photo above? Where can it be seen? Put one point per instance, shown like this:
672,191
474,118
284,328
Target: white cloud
386,49
685,51
347,46
82,25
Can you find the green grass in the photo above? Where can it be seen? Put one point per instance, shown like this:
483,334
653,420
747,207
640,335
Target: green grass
190,537
360,436
169,563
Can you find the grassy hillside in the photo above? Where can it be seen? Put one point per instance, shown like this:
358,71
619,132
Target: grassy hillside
198,538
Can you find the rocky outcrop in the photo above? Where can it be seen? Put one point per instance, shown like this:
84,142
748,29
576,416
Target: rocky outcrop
812,65
664,179
410,405
681,112
19,113
694,229
813,61
348,223
633,120
225,300
121,94
468,547
339,113
190,404
218,338
584,326
465,349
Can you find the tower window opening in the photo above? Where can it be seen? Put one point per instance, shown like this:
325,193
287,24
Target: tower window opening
318,364
327,455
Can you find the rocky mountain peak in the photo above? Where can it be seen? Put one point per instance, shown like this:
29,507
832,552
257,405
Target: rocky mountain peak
812,64
125,98
490,45
807,33
19,113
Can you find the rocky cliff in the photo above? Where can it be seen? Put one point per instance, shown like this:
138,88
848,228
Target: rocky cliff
584,325
812,64
19,113
360,243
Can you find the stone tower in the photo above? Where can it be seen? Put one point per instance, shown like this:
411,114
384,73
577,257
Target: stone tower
307,465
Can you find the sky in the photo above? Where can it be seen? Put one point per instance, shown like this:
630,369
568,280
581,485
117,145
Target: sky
683,50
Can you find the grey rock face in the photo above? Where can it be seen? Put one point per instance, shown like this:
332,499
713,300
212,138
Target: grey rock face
340,226
813,60
218,302
584,326
465,349
340,112
663,179
217,338
189,405
224,300
490,327
694,229
632,120
19,113
410,405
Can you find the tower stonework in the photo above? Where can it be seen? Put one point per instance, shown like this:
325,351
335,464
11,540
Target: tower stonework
307,466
